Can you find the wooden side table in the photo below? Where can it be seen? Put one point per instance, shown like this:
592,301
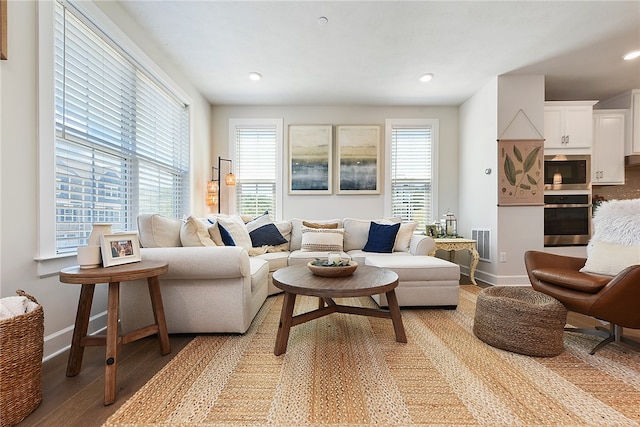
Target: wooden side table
113,341
454,244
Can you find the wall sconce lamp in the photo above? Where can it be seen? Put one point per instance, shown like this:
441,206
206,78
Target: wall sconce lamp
213,186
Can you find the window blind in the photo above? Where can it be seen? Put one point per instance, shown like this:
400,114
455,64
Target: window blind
122,139
411,174
256,148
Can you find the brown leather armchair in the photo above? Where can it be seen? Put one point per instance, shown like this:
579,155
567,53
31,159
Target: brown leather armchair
612,299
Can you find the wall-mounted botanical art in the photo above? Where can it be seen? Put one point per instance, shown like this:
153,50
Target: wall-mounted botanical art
520,172
358,159
310,158
3,29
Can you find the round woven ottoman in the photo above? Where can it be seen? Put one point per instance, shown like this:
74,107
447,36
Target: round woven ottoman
520,320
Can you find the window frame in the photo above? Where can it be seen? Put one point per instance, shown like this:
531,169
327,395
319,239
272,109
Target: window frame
234,123
49,261
390,124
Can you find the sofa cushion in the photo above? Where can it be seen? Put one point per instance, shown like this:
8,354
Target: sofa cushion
610,258
193,232
382,238
259,272
322,239
419,268
263,232
572,279
276,260
157,231
298,257
356,233
359,256
296,230
237,230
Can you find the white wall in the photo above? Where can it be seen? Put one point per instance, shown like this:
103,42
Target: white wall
521,228
478,196
18,171
484,118
338,206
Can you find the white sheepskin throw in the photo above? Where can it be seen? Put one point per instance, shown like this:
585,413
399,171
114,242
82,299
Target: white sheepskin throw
617,221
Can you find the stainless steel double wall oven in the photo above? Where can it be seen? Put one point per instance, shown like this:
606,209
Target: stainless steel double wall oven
567,200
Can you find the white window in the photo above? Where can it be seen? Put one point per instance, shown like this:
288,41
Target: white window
121,136
411,187
257,144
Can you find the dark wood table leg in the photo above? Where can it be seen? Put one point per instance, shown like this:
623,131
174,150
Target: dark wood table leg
396,318
158,314
284,327
80,330
111,356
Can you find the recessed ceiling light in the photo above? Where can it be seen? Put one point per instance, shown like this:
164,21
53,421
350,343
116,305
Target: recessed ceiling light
632,55
426,77
323,20
255,76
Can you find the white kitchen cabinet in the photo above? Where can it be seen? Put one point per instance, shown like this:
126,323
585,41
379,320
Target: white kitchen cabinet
607,160
568,124
628,100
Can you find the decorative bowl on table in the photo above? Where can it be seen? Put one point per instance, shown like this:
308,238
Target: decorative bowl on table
342,268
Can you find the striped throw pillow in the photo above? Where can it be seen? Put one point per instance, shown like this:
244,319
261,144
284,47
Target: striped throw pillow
322,239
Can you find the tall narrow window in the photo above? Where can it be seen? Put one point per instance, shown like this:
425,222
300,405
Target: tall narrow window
411,187
121,138
257,147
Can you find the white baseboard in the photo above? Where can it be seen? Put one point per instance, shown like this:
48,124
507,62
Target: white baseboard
60,341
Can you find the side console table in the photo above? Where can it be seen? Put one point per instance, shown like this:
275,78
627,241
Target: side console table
452,245
88,278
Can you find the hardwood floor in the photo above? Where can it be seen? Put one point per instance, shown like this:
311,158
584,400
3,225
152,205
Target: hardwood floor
78,401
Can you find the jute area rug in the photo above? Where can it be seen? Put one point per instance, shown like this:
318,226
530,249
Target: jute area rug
349,370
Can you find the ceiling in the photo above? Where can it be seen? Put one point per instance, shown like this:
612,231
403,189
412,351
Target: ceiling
373,53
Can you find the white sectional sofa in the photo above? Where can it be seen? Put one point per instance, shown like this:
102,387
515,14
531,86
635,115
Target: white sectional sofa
212,287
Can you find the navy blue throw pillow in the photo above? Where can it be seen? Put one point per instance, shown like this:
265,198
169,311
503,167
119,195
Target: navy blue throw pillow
381,238
226,237
263,232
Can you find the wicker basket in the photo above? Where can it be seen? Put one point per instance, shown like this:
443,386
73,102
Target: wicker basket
21,347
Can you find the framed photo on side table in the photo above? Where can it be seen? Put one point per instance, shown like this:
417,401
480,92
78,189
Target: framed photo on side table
121,248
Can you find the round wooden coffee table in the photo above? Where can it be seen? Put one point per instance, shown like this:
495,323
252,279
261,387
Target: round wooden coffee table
365,281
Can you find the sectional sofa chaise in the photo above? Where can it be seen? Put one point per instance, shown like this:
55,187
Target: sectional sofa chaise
220,267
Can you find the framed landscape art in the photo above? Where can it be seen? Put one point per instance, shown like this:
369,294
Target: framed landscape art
358,159
310,158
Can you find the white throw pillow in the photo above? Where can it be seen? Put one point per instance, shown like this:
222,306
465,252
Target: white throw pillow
610,258
194,233
214,232
403,239
157,231
236,228
322,239
356,233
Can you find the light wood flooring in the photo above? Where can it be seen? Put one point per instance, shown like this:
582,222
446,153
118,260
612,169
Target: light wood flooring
78,401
